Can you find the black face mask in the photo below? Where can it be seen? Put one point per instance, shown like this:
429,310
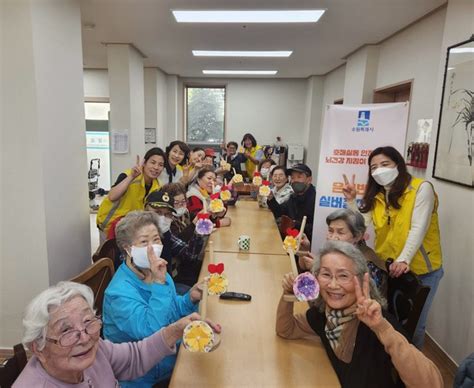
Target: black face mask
299,187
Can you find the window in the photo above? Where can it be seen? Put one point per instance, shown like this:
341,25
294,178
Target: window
205,112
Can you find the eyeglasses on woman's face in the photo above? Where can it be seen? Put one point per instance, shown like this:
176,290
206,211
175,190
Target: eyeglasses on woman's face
343,278
72,337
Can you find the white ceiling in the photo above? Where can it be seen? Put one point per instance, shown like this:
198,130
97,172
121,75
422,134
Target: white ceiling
317,47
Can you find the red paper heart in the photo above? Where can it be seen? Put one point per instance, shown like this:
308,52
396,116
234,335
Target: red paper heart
216,268
266,183
215,196
292,232
203,216
225,188
256,173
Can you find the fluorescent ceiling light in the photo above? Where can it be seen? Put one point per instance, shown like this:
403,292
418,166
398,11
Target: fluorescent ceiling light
270,16
462,50
240,72
210,53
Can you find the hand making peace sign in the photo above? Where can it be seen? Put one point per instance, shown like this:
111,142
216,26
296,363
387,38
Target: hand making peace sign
349,188
368,310
138,168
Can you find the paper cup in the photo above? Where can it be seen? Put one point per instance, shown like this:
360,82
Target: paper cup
244,242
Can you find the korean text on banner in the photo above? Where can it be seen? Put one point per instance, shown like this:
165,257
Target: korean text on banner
350,133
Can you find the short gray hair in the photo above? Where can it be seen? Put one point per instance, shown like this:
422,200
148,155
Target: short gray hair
37,314
360,263
354,221
128,226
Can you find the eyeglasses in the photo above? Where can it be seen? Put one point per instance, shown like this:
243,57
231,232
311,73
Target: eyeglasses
342,278
71,337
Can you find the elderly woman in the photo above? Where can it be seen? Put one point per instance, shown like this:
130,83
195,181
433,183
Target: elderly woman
348,225
281,189
142,298
200,192
63,333
363,342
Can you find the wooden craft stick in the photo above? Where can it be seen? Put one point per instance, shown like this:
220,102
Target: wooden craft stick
233,169
211,252
225,181
294,269
203,303
213,188
300,235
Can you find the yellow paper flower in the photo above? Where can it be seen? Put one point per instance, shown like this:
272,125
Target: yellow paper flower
264,191
238,178
198,337
290,242
217,284
216,205
257,180
226,195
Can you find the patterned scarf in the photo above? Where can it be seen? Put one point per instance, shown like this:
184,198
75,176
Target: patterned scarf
341,331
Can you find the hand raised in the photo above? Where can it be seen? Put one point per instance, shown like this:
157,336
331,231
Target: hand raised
306,261
195,293
368,310
157,266
349,189
138,168
287,282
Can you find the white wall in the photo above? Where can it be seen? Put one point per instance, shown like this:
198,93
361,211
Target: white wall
265,107
96,83
451,321
414,54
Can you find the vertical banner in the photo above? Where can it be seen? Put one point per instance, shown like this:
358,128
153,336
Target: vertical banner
350,133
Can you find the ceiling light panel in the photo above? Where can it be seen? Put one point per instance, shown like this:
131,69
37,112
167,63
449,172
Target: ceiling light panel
248,16
259,54
241,72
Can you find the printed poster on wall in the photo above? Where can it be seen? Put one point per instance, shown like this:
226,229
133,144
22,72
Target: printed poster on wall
350,133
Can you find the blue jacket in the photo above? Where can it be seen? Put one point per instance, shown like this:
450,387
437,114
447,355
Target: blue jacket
134,310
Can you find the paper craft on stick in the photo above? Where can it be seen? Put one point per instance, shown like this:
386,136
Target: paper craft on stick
237,178
217,282
257,179
290,241
306,287
198,336
216,205
225,193
264,190
204,225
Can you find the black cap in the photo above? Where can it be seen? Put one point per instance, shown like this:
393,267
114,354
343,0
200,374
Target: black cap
160,199
300,167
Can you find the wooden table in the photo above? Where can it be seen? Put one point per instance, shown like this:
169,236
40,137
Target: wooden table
250,353
249,219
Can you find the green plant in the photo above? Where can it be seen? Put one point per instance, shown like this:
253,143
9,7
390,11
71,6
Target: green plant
466,118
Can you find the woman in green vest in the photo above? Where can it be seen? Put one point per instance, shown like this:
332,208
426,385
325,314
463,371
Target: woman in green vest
403,210
130,189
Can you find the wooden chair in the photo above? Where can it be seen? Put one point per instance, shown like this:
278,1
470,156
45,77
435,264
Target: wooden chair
406,297
108,249
97,277
11,368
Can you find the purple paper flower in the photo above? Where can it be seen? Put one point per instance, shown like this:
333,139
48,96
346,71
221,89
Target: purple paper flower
204,227
306,287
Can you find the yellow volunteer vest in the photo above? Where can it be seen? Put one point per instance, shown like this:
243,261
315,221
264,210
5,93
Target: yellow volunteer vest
133,199
249,165
393,225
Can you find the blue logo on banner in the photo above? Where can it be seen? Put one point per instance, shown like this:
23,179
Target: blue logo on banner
363,119
363,122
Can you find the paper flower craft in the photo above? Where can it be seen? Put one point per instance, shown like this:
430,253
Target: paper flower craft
306,287
204,225
290,239
225,193
238,178
226,166
264,190
217,282
257,179
216,205
198,336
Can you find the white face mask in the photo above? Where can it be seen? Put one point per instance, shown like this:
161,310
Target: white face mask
264,172
164,224
140,255
180,211
385,175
